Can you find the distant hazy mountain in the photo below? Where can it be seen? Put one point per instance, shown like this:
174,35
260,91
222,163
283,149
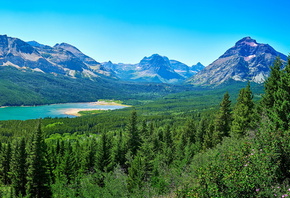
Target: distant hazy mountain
155,68
247,60
184,70
196,68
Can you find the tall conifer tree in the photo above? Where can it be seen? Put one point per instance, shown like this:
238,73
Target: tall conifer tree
276,101
38,181
272,84
281,108
103,155
222,124
6,163
19,168
134,140
243,113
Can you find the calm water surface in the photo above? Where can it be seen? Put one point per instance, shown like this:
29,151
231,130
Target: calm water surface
54,110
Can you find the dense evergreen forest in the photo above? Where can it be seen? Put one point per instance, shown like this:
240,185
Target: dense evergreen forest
179,146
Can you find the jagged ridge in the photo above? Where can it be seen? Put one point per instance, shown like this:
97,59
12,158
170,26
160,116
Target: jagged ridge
247,60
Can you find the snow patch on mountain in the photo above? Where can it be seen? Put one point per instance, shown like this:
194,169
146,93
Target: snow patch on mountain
38,70
8,63
260,78
249,57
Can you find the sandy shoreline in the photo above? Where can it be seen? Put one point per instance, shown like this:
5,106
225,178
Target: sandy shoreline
75,111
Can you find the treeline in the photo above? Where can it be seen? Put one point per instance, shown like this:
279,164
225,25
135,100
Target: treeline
241,150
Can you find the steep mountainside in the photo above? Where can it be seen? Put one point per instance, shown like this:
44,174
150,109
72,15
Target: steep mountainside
61,59
91,63
247,60
155,68
17,53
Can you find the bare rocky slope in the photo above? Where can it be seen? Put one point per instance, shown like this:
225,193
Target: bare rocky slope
246,61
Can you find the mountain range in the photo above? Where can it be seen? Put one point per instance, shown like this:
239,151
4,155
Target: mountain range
246,61
68,60
155,68
32,74
61,59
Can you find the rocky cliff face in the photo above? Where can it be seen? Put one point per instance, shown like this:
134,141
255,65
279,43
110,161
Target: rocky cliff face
247,60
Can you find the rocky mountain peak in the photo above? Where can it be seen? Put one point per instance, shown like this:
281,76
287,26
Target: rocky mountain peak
247,60
249,48
247,41
155,62
35,44
67,47
155,68
199,65
153,58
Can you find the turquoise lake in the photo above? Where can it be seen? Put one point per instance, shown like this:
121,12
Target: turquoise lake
53,110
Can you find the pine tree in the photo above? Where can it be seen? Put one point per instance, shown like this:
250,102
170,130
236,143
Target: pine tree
190,131
6,162
276,101
134,140
65,171
167,149
19,168
272,84
90,160
144,130
38,181
222,124
280,113
103,155
209,139
167,136
201,132
118,152
136,173
243,113
141,167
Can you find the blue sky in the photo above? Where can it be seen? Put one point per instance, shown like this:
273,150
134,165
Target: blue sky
126,30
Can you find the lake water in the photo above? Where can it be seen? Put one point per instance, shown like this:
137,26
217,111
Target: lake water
54,110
